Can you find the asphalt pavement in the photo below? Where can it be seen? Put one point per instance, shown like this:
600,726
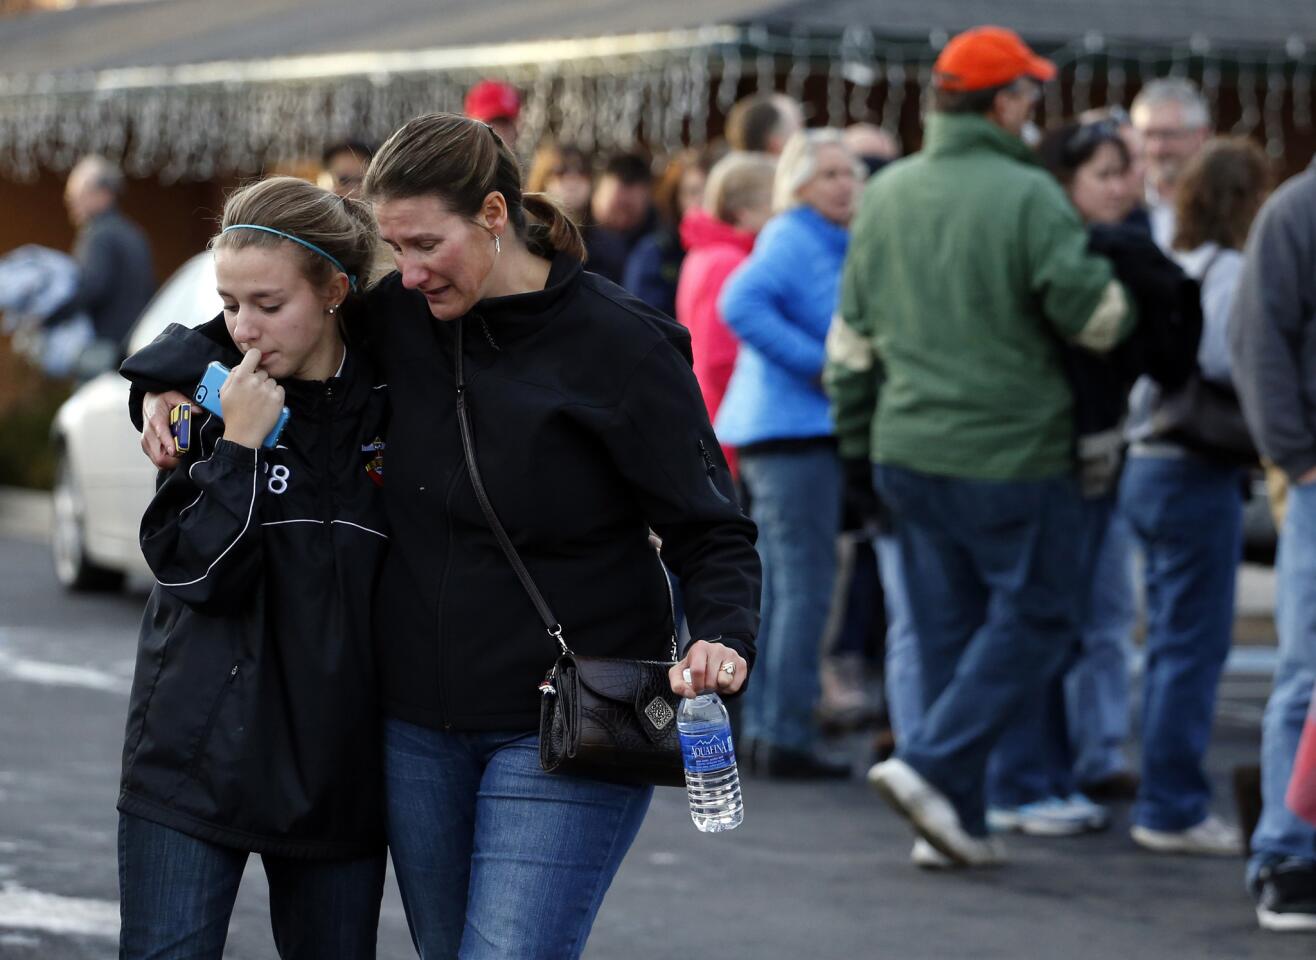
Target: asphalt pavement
816,871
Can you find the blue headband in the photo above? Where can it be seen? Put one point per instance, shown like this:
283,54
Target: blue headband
351,278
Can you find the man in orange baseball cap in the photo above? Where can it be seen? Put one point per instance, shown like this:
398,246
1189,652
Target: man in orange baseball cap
966,263
979,65
497,104
988,57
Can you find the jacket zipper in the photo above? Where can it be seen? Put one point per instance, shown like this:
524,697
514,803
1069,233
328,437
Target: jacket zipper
710,471
204,741
445,646
327,457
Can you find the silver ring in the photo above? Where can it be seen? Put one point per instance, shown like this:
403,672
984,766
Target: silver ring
729,668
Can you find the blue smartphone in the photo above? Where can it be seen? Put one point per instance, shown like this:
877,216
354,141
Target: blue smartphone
207,395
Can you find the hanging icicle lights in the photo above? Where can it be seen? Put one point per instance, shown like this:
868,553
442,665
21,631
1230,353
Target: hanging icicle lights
665,90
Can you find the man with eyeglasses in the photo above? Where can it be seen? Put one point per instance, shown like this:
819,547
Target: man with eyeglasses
1173,123
966,261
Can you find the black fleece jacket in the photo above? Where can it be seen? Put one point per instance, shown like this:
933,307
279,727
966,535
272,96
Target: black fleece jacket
1163,345
590,430
254,715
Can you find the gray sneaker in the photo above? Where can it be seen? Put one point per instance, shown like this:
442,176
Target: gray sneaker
932,815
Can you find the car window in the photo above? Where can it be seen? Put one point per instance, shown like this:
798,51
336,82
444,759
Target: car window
188,297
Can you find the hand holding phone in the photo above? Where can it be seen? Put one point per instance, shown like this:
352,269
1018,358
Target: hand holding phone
247,399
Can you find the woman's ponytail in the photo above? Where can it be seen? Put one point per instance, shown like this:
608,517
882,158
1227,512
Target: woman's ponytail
563,235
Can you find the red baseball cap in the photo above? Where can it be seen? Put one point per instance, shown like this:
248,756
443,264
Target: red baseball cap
987,57
491,100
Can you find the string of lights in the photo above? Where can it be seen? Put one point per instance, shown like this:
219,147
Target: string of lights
665,90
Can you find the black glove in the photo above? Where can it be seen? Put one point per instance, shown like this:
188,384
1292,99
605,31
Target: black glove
862,508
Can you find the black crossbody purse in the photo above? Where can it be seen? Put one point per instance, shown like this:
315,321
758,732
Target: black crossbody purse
599,717
1205,416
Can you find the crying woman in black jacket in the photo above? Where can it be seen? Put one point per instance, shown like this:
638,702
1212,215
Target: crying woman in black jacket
253,724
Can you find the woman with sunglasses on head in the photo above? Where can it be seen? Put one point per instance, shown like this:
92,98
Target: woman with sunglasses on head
589,431
1091,161
253,724
1069,747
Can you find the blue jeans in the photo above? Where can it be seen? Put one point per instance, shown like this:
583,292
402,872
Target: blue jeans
176,894
993,582
904,679
1097,686
796,503
1280,833
494,857
1086,706
1188,516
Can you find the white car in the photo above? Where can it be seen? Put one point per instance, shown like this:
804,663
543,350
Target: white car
104,482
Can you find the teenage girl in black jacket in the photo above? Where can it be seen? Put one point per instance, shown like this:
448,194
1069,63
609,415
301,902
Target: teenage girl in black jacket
254,718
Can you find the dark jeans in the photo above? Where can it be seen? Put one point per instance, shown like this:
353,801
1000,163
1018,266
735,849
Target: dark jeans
1188,517
1035,756
494,857
994,583
176,894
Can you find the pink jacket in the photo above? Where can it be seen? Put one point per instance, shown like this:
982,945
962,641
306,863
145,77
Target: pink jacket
1301,796
715,249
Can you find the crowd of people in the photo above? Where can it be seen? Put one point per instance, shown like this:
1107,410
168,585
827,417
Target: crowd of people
1044,364
958,393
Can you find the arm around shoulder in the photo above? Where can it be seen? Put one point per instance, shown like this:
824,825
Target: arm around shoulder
1079,294
201,534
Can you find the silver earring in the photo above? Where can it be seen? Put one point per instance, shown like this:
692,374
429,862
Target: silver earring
333,309
498,245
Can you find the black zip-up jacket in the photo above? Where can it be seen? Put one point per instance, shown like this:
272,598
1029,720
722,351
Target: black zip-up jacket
589,430
1162,346
254,716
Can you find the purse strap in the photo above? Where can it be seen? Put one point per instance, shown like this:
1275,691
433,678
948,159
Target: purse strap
1210,263
509,550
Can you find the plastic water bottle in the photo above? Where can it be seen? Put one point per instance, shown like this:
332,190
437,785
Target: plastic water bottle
711,779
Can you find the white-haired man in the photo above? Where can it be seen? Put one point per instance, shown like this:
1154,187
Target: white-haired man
1173,121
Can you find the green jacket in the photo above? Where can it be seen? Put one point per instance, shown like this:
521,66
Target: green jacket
967,265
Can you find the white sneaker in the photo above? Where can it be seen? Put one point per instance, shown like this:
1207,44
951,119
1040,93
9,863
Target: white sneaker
1051,817
927,857
932,815
1210,838
1094,814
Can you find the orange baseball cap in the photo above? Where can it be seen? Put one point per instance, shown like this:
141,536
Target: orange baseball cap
491,100
987,57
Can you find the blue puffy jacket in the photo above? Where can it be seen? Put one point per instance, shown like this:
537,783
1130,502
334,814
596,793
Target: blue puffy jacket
780,304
